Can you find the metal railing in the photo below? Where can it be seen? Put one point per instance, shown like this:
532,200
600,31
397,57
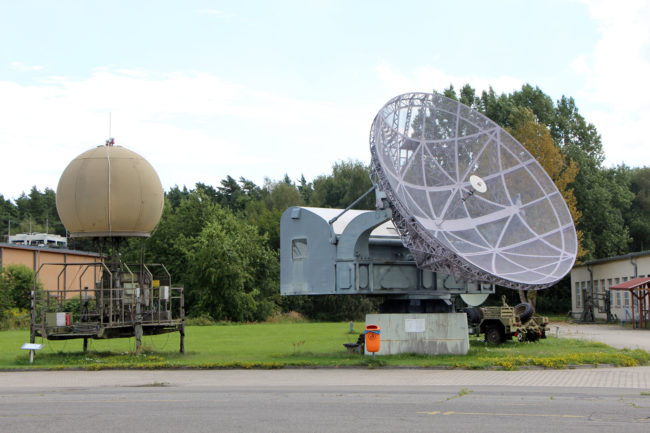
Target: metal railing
100,304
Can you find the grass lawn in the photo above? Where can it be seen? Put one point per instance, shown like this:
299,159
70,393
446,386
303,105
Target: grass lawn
277,345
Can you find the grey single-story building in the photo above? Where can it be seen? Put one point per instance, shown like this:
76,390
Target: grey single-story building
593,279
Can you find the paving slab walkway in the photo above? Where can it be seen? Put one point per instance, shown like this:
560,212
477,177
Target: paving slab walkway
630,377
612,335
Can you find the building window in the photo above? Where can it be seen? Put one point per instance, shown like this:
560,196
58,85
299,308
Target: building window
299,249
627,299
618,293
577,295
596,288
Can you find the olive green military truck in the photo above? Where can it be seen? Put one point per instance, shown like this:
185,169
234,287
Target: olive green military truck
500,324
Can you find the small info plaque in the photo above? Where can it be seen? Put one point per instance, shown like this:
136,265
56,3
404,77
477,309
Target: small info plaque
414,325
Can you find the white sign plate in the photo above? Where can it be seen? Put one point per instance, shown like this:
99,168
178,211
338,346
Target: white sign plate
31,346
60,319
414,325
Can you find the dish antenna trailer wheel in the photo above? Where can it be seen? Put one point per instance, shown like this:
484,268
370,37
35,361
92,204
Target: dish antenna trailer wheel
461,207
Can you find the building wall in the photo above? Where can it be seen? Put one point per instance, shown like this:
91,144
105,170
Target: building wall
15,256
606,273
51,274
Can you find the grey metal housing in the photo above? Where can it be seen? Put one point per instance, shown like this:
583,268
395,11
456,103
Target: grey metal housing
358,253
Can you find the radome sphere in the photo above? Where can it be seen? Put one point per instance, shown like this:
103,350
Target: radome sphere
109,191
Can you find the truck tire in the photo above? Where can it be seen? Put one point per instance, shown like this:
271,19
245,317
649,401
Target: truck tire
524,311
494,334
474,315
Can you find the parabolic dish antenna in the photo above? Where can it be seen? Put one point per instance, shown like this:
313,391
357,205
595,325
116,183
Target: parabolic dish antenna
467,198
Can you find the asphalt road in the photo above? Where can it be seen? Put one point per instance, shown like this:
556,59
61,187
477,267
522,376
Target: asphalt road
324,409
327,400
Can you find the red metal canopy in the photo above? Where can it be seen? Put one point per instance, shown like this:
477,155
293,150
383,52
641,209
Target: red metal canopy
639,289
631,284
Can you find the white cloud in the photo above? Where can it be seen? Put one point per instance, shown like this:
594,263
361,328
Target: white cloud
616,79
580,67
20,66
191,126
428,78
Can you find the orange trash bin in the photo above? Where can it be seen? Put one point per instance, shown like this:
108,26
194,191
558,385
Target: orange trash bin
373,338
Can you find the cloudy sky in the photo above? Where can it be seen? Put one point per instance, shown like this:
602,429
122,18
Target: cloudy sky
206,88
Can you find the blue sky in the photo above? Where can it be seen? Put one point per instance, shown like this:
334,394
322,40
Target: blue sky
205,89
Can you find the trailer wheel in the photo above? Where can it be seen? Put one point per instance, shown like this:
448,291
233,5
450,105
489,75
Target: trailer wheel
494,334
474,315
524,311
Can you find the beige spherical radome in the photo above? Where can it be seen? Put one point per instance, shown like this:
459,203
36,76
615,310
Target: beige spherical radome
109,191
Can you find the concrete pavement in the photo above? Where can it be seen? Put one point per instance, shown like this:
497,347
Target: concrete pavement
631,377
612,335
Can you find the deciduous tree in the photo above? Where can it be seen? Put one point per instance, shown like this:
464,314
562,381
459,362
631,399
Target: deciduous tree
348,181
231,271
638,217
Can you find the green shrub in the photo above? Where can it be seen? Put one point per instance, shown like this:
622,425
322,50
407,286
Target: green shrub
16,285
289,317
202,320
15,318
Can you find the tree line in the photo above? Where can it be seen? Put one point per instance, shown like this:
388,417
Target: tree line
222,242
